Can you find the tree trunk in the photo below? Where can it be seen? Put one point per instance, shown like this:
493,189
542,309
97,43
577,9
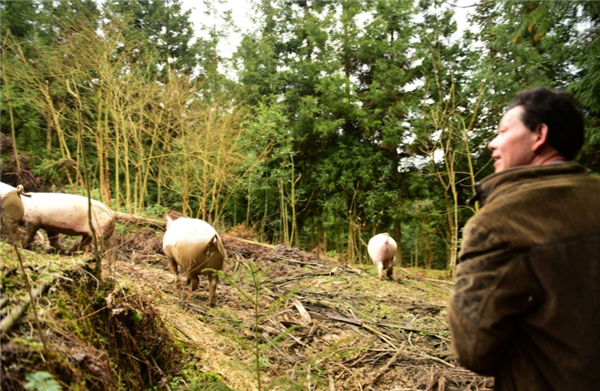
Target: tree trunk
398,237
321,241
13,134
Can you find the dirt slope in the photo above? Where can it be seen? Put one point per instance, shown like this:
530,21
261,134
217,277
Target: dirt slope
312,323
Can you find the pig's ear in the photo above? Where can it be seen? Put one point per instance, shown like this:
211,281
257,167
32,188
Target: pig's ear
215,239
169,220
21,191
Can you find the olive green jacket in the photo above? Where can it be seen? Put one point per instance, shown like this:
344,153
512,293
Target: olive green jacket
526,304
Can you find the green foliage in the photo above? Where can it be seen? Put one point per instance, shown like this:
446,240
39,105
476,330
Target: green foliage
51,171
156,210
162,29
136,316
343,119
41,381
197,380
17,17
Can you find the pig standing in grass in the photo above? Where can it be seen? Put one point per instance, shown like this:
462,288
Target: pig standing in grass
67,214
12,213
382,250
194,245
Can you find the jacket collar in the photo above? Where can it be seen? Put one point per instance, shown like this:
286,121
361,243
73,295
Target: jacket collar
492,182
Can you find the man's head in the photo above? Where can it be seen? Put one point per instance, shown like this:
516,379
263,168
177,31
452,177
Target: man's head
540,126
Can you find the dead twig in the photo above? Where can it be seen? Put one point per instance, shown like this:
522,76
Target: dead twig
305,315
357,322
384,337
163,380
88,315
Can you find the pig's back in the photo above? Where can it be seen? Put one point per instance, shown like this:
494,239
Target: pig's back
66,213
381,247
188,231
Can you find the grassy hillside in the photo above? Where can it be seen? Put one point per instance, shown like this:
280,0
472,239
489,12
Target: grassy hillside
284,320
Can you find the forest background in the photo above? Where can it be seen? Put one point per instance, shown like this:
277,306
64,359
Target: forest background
332,121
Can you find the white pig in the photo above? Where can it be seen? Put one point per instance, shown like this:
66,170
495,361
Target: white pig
67,214
194,245
382,250
5,188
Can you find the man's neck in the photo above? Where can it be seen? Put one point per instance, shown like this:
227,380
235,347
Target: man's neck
549,156
549,160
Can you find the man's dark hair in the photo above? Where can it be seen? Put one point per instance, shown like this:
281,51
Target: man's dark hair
558,110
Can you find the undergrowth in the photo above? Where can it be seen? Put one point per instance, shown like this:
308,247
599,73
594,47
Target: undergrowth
105,337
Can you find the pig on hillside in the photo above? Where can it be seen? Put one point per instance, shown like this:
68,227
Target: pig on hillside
12,209
67,214
382,250
194,245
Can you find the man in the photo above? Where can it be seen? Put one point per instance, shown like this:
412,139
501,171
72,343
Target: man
526,304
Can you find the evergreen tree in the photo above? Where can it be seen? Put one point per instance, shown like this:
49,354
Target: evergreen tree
161,30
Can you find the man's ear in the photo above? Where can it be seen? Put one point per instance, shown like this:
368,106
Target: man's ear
541,137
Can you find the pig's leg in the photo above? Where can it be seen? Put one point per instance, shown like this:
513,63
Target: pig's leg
213,280
53,238
174,269
195,281
78,245
85,241
390,272
380,269
173,265
31,230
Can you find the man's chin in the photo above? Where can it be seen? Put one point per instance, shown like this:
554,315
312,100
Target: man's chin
498,166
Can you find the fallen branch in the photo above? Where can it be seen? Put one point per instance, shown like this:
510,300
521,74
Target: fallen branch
18,311
283,280
412,329
424,356
357,322
249,241
303,263
440,281
413,277
141,221
386,366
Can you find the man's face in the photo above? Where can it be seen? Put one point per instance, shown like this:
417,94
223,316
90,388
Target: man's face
514,144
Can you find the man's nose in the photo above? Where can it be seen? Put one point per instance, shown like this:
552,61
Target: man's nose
492,144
